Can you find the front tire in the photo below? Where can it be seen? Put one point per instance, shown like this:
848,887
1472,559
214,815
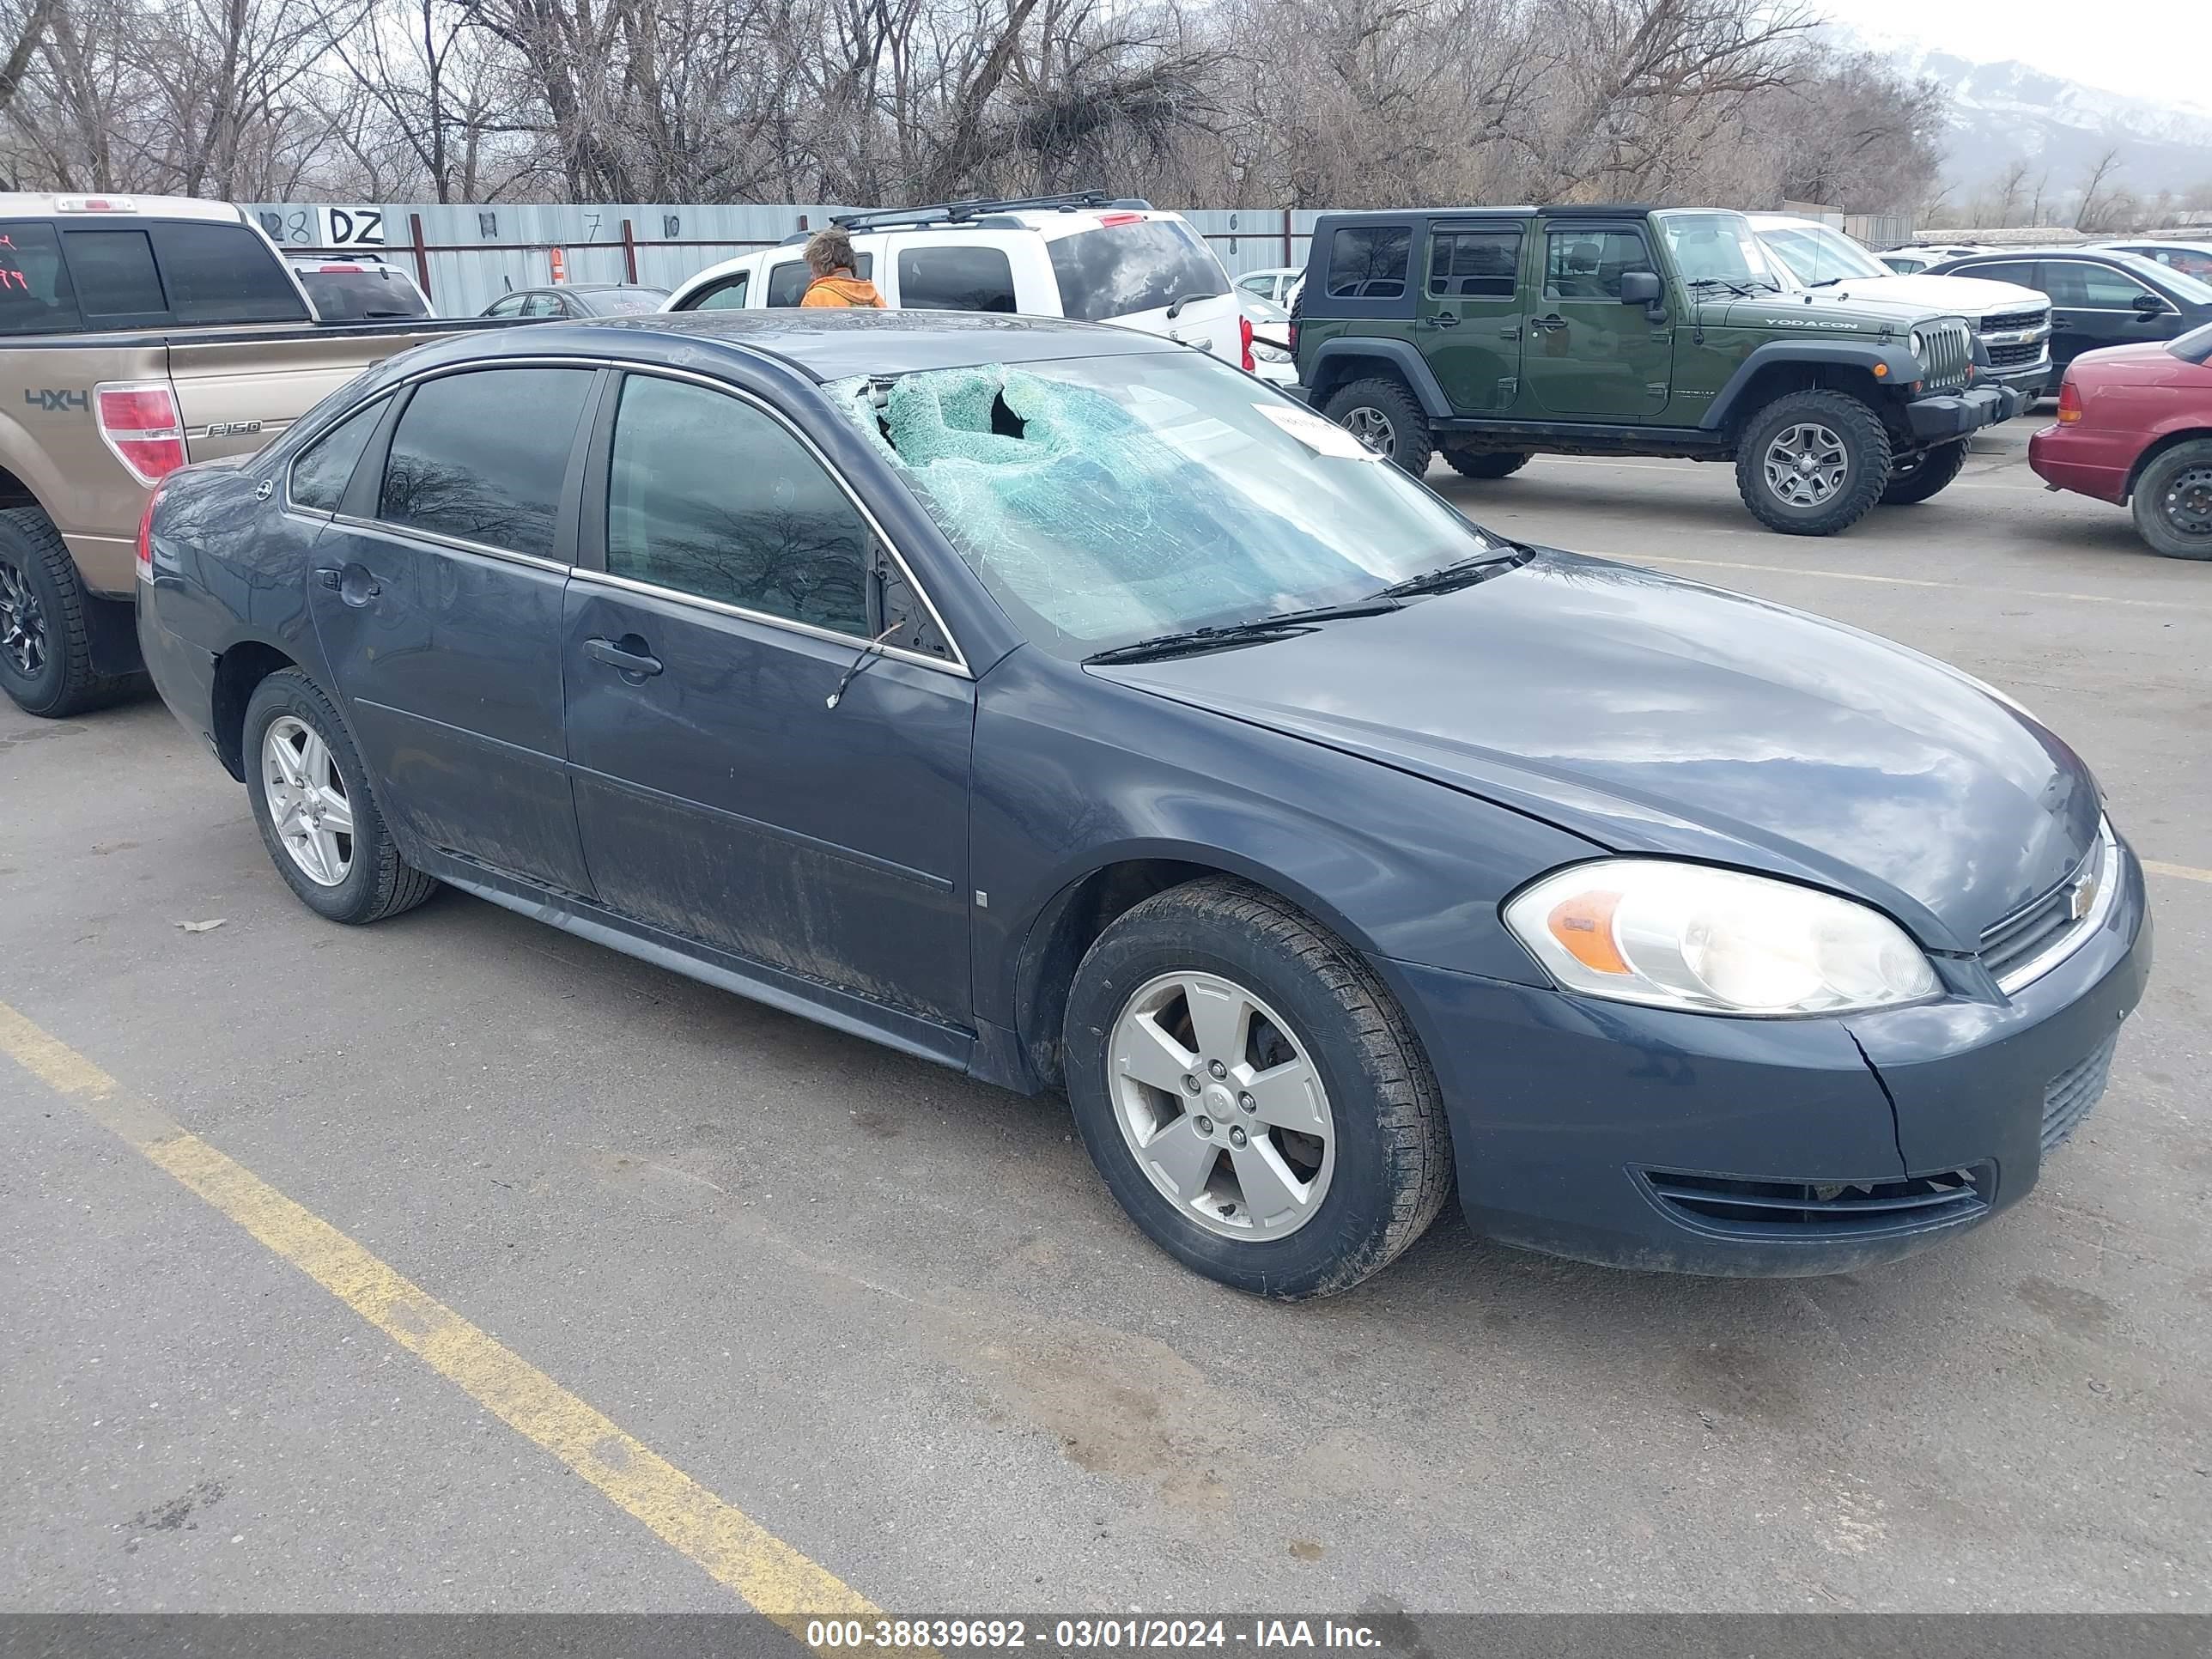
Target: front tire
1812,463
1251,1094
2172,503
1914,479
1386,417
317,814
45,624
1493,464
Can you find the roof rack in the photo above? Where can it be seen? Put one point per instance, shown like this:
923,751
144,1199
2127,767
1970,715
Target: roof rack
962,212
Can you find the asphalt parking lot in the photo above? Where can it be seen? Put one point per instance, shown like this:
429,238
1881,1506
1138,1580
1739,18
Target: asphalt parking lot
891,1316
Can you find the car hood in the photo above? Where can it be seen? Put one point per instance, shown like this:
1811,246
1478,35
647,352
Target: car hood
1652,715
1841,311
1971,297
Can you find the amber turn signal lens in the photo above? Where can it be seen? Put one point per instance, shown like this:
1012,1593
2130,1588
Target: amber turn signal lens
1584,924
2069,404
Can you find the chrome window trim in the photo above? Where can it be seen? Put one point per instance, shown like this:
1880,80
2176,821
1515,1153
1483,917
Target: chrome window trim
958,664
316,515
2109,870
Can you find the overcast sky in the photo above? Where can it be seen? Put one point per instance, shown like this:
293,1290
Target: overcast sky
2157,49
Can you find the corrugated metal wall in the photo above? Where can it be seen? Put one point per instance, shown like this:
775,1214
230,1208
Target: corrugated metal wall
475,254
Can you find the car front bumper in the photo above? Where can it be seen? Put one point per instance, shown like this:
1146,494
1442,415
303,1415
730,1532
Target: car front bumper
1650,1138
1939,419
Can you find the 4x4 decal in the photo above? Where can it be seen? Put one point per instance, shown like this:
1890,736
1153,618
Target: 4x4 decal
52,400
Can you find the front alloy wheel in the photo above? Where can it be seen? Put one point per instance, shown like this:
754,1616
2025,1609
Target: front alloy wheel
1807,464
22,624
1220,1106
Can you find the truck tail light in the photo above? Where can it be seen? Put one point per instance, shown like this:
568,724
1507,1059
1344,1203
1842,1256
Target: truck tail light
2069,403
139,423
145,536
1244,340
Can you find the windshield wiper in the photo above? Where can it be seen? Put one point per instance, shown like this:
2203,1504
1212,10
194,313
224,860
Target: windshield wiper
1460,573
1736,288
1826,282
1260,628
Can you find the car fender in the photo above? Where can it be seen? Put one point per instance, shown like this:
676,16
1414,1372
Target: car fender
1412,367
1892,362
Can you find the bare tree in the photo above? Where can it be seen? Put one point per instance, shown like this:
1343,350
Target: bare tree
2095,203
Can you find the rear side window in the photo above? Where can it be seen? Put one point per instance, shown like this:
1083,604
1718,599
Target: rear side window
481,456
2090,287
361,294
322,470
787,283
221,274
708,496
1368,262
1118,271
113,271
1482,264
35,296
956,279
2022,272
728,295
1588,264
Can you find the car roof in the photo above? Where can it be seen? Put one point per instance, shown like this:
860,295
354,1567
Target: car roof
45,204
1580,210
822,343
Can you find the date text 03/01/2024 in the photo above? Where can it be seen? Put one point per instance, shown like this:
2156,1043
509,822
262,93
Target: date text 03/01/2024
1132,1634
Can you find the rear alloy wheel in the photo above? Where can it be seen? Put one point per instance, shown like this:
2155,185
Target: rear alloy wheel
22,627
1383,415
1251,1095
317,814
1811,462
1492,464
46,624
2174,501
1914,479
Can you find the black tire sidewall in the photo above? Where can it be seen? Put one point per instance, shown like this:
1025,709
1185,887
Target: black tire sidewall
1487,464
290,692
45,692
1356,1211
1411,444
2149,514
1866,448
1923,477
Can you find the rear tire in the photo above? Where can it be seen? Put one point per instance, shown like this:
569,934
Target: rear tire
354,875
1811,462
1299,1027
1914,479
2172,503
45,624
1386,417
1493,464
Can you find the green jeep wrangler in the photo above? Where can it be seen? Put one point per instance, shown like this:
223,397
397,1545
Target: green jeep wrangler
1490,334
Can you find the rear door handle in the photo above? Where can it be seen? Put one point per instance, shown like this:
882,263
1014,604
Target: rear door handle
628,655
1550,324
1445,319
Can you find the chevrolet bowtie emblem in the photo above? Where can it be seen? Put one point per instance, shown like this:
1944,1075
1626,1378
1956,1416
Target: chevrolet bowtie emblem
2084,895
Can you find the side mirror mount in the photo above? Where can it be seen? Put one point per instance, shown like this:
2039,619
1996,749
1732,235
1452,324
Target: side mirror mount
2148,305
1640,288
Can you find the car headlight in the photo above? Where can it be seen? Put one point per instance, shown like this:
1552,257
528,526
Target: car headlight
1715,941
1918,342
1267,354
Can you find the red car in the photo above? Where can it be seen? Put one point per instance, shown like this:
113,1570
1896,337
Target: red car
2136,421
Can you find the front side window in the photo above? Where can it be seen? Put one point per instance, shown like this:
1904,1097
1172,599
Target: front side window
956,279
1483,264
787,283
35,296
322,470
1587,262
1368,262
481,456
2091,288
1106,500
223,274
710,496
510,306
1145,265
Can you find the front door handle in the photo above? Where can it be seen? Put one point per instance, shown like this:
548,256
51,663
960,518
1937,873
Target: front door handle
356,583
1445,319
1550,324
628,655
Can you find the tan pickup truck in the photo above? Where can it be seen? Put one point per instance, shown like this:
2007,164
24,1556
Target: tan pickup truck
136,334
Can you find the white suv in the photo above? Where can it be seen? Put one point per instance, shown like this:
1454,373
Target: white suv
2012,324
1084,257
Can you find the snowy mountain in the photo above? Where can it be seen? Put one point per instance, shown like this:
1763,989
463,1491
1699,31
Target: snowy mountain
2001,112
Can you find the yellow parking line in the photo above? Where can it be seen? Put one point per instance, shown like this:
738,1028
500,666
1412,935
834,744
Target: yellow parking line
2181,870
1890,581
734,1548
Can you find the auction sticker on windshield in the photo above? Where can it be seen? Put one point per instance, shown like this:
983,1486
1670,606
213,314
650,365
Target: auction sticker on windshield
1320,436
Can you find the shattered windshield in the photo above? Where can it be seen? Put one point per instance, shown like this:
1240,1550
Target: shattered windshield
1107,499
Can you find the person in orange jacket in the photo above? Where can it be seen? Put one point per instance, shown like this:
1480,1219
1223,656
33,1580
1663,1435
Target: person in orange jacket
829,256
